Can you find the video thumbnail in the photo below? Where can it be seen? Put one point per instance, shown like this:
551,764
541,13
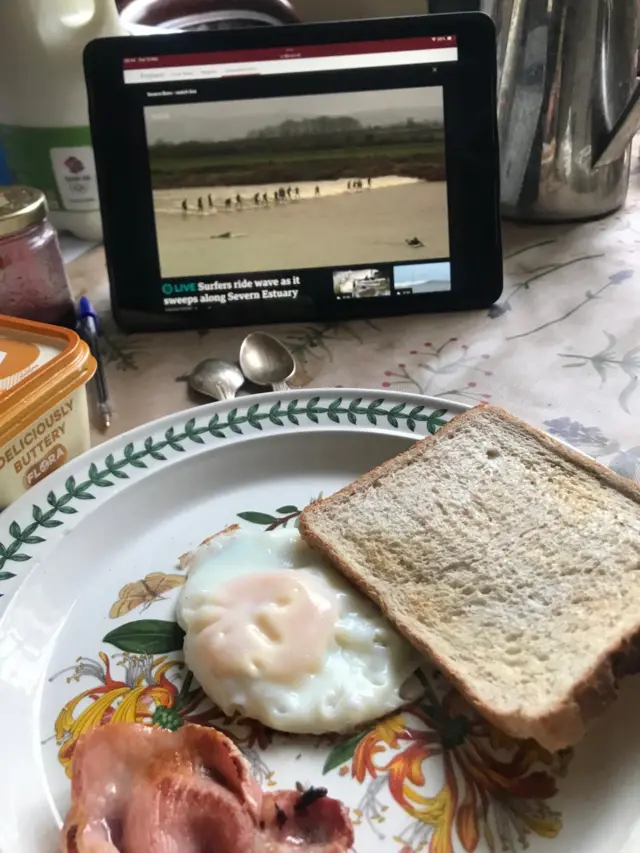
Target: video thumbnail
361,284
422,278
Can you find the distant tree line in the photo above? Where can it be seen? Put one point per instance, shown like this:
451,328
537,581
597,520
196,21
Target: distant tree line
324,133
327,148
321,125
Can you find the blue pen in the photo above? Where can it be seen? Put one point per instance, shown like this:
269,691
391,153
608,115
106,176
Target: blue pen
88,327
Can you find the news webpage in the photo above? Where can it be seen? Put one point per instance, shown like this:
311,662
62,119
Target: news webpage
259,198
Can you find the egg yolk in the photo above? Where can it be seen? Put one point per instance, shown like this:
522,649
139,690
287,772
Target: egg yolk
273,625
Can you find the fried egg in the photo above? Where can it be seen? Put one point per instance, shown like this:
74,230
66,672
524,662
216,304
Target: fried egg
274,633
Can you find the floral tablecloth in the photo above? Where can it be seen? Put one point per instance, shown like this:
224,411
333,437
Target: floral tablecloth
561,348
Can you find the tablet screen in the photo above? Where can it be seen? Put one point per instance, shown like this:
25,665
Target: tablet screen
319,179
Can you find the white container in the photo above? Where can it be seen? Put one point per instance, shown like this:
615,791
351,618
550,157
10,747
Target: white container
44,123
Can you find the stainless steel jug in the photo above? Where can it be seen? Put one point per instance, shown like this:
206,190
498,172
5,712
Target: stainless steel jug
568,105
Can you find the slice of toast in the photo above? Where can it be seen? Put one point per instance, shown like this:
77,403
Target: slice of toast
510,560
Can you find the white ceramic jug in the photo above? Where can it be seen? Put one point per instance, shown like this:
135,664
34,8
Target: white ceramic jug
44,124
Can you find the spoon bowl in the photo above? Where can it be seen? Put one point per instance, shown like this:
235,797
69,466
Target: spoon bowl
216,378
265,360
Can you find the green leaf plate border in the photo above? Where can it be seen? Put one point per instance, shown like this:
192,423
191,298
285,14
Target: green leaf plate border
31,526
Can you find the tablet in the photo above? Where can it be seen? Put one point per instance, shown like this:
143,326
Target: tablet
307,172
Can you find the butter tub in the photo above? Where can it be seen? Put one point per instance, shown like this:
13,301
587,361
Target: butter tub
44,418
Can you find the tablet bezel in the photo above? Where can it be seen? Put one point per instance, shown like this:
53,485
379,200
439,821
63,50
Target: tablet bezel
476,250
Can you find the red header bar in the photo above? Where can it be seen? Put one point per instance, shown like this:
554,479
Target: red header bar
280,53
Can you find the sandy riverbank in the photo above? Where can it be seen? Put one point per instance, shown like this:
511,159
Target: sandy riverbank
338,228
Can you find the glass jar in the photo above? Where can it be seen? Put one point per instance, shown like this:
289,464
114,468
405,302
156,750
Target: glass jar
33,279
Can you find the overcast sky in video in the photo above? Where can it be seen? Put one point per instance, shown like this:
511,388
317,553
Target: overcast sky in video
222,120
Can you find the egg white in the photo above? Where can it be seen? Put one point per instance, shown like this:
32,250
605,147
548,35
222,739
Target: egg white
367,665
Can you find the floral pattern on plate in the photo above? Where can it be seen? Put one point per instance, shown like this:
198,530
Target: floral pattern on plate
458,780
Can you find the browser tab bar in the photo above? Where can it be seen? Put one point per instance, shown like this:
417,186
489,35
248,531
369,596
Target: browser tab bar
291,60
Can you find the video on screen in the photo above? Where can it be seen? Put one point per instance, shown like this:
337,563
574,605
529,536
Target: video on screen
416,279
361,284
333,180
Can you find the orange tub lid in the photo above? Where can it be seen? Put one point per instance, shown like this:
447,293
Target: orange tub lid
39,366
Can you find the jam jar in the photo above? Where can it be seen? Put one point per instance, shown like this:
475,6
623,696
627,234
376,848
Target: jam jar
33,279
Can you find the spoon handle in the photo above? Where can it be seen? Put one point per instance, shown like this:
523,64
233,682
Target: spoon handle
280,386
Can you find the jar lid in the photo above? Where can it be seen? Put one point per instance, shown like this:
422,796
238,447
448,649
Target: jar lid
20,208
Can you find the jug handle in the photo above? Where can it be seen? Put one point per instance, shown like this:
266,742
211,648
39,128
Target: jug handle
621,133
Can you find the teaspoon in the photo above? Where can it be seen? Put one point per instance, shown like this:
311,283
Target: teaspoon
215,378
266,361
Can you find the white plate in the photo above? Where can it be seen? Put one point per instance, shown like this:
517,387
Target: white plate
433,778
